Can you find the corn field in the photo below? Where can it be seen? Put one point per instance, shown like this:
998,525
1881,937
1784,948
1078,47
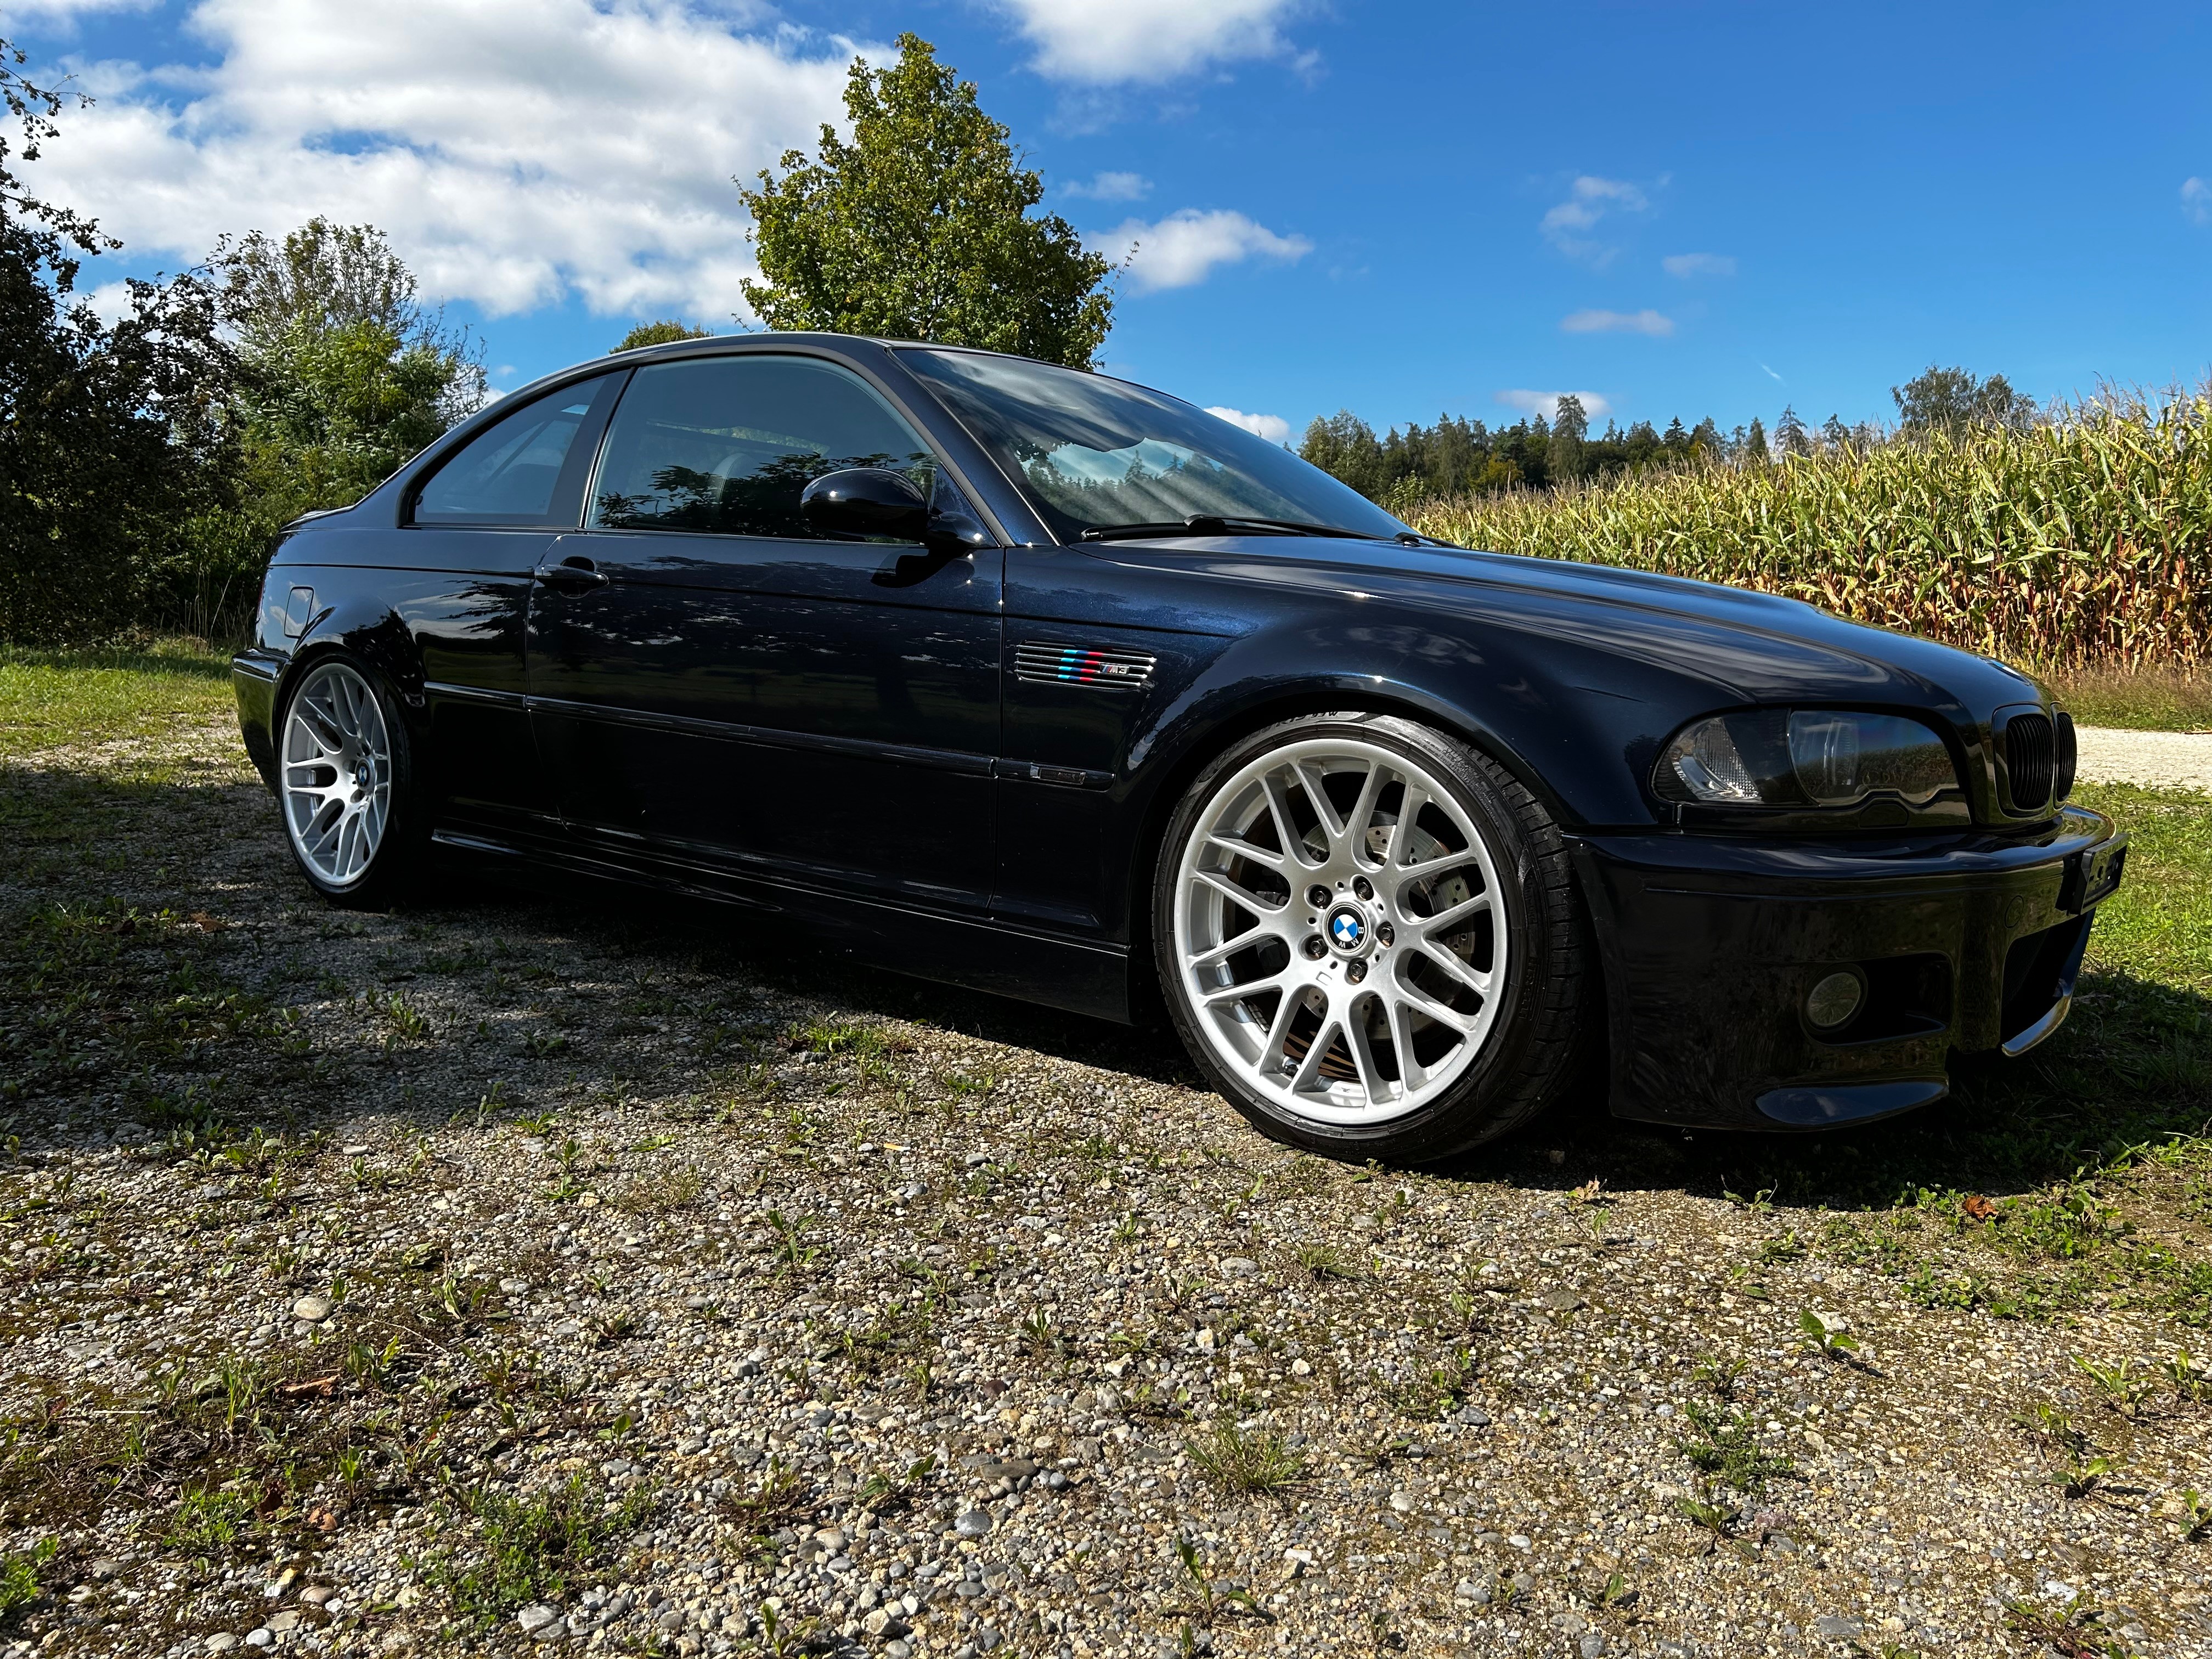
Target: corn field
2086,541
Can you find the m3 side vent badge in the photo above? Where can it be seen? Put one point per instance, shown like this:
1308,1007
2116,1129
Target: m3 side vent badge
1076,665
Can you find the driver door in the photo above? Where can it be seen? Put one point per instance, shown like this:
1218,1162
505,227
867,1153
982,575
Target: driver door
712,682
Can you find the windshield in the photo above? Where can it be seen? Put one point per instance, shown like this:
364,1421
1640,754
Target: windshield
1096,453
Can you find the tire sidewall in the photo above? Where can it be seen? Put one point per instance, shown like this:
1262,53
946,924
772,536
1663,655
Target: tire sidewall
391,868
1452,1120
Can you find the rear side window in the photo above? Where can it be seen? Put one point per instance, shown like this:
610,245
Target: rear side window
526,468
725,443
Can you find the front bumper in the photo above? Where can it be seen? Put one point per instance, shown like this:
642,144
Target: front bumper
1711,943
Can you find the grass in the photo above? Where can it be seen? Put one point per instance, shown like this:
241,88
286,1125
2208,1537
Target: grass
51,697
2145,699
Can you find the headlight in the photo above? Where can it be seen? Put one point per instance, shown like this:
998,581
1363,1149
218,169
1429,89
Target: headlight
1803,757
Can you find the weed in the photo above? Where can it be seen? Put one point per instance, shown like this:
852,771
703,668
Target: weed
408,1023
534,1548
20,1582
886,1494
2123,1389
2072,1630
1241,1461
1442,1391
1724,1447
2195,1516
1718,1524
779,1499
791,1252
1824,1334
1325,1263
208,1519
1213,1600
1041,1337
1721,1376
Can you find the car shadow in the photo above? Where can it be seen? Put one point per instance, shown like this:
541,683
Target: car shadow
2132,1065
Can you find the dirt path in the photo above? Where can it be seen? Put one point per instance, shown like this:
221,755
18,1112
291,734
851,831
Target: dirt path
2157,760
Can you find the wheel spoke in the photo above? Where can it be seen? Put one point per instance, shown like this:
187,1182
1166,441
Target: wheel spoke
1401,833
1324,808
1411,1076
1422,1003
1325,1039
1455,912
1278,805
1357,822
1244,897
1251,987
1465,972
1245,849
1278,1031
1363,1053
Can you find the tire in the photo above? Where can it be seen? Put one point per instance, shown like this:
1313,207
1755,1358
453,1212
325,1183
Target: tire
1459,939
346,785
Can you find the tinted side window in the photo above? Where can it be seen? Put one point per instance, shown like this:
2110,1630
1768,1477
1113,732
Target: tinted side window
515,471
725,443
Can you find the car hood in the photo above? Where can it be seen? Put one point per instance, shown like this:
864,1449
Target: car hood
1748,647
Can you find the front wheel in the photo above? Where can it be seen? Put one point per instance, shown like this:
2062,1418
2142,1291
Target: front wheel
346,785
1368,939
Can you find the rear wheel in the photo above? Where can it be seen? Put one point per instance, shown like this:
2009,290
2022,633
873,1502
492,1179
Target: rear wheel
1367,937
346,785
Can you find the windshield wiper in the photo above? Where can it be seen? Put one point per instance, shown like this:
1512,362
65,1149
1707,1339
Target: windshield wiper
1214,524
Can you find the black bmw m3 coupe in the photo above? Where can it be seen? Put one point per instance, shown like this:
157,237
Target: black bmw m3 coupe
1039,682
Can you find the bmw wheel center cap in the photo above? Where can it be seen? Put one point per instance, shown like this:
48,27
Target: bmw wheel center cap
1348,930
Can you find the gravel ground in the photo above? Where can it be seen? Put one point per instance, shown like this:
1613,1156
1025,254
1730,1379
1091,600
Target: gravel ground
2157,760
512,1275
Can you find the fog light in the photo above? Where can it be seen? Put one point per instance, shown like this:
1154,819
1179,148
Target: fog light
1835,1000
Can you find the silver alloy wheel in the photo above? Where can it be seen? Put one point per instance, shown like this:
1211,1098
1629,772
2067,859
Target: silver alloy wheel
338,774
1337,924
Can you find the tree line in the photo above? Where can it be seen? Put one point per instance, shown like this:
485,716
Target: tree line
1461,457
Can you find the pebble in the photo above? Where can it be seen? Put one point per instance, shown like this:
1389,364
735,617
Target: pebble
222,1642
536,1617
311,1310
974,1524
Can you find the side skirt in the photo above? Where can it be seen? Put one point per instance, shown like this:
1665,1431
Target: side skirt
980,955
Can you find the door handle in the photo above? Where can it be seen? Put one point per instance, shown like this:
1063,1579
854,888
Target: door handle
572,574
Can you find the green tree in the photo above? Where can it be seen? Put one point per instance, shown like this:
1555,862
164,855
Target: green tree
343,375
920,227
1950,400
665,333
1569,427
114,444
1754,443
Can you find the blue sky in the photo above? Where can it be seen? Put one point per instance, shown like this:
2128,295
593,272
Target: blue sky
1692,210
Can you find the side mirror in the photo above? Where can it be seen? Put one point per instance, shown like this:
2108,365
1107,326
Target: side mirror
864,500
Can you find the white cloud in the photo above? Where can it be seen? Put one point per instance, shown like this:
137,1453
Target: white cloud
1112,187
1618,322
1273,427
1183,248
1546,403
2196,201
1686,265
1567,227
516,151
1102,42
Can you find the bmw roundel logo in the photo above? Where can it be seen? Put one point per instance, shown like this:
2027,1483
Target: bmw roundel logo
1348,929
